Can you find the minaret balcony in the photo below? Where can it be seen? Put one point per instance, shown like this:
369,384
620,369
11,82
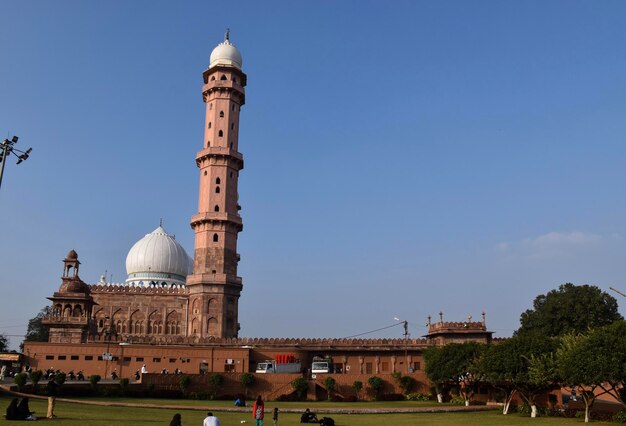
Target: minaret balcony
221,84
218,151
216,217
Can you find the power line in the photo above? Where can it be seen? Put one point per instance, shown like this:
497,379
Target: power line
373,331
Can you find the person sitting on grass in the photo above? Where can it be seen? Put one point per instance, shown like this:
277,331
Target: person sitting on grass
308,417
12,411
23,411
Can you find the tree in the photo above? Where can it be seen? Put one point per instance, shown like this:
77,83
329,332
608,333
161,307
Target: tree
35,377
184,382
247,380
454,364
357,386
506,366
4,343
36,331
570,309
583,367
596,360
300,385
215,380
407,383
376,384
330,384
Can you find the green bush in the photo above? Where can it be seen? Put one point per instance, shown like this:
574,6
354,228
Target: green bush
300,385
124,383
458,400
417,396
357,385
247,380
376,384
620,416
59,378
215,380
94,379
20,380
184,382
330,384
35,377
407,383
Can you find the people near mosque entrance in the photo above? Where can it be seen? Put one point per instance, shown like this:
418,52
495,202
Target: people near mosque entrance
12,411
23,411
211,420
258,411
114,374
3,372
164,371
80,376
137,375
275,416
177,372
71,375
308,417
52,388
176,420
144,369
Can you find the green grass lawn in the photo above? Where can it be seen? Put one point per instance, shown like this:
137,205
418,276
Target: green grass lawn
79,414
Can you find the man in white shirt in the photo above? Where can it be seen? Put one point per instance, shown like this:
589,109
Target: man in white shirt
211,420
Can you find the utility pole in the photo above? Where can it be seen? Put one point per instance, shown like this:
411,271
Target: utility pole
6,149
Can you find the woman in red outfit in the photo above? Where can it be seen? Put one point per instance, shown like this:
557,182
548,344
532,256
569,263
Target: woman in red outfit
258,411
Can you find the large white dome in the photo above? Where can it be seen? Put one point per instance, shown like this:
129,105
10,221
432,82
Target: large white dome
157,260
226,54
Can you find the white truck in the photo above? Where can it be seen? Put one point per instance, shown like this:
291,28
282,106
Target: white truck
282,364
321,365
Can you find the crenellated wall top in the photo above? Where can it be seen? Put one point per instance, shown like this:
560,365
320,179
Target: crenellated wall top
270,342
120,288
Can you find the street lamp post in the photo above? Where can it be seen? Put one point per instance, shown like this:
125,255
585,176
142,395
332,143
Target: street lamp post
6,149
405,324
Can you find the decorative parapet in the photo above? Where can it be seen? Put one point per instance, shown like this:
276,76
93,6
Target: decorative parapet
268,342
439,327
121,288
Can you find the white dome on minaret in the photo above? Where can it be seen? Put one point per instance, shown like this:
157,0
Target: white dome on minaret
158,260
226,54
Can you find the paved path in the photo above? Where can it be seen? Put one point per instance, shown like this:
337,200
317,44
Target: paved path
320,410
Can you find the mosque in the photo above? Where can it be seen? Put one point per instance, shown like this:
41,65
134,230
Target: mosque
175,313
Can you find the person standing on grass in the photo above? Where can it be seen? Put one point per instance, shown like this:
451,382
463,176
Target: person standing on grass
258,411
53,389
275,416
211,420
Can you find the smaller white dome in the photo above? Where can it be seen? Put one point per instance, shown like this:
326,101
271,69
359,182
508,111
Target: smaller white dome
157,260
226,54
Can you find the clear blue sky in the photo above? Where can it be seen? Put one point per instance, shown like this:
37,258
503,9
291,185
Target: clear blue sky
401,157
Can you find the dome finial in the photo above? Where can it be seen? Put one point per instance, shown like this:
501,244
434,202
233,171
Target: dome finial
227,35
161,222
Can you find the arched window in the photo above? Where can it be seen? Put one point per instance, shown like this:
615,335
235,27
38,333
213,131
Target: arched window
209,124
208,144
212,78
232,108
217,208
231,144
205,172
215,238
217,181
234,79
217,189
222,114
223,77
211,106
221,133
232,126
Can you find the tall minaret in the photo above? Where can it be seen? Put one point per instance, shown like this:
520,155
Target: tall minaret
214,286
